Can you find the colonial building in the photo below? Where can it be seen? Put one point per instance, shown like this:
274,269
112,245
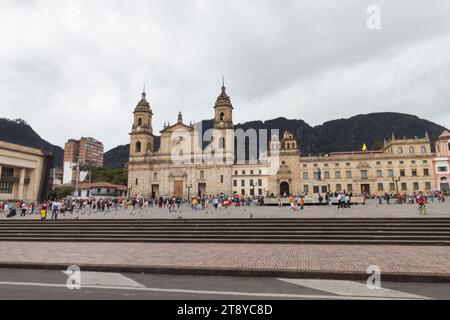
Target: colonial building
403,165
441,164
24,173
195,168
179,167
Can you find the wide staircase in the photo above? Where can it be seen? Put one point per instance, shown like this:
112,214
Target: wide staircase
414,231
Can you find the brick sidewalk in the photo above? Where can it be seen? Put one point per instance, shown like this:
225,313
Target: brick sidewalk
332,261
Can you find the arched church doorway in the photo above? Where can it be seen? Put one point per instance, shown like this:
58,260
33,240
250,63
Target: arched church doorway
284,189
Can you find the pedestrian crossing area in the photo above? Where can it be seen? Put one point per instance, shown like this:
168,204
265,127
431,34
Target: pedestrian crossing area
305,288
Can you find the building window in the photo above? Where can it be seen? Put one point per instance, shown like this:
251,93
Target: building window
390,163
260,192
252,183
138,147
390,173
243,172
6,180
235,183
155,176
392,187
140,122
242,183
442,169
305,165
402,173
221,179
414,173
364,174
338,187
400,150
251,172
202,174
260,171
327,175
317,176
305,176
411,149
260,182
350,188
416,186
379,173
243,192
426,172
337,174
380,187
427,186
378,163
348,174
316,189
404,186
402,163
305,188
423,149
348,164
222,116
137,182
235,173
252,192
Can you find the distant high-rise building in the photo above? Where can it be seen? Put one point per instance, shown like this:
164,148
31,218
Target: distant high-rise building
86,151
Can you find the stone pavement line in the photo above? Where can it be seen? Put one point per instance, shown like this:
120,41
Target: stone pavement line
285,261
345,288
204,292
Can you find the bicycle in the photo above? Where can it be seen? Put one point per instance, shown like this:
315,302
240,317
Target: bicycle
422,209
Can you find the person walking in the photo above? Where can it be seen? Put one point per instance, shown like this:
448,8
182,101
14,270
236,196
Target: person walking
55,208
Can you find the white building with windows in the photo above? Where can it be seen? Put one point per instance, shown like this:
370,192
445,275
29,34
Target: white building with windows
442,162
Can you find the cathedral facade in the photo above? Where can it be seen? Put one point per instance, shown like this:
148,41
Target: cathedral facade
183,165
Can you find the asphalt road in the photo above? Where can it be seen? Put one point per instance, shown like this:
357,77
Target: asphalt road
52,284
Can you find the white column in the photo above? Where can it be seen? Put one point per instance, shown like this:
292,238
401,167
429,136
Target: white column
21,184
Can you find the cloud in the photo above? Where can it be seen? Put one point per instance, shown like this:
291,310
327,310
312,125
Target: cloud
76,68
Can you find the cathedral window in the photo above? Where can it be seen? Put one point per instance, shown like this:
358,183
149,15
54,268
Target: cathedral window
411,149
202,174
222,116
138,147
400,150
140,122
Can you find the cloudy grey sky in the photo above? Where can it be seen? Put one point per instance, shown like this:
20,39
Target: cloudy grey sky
76,68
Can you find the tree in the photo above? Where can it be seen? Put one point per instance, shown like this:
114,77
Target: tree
61,193
115,176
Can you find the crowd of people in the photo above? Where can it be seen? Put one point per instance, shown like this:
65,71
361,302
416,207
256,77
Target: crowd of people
52,208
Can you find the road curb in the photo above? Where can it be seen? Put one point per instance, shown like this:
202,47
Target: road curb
272,273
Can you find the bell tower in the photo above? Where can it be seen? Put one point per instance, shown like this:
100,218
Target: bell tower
141,136
223,118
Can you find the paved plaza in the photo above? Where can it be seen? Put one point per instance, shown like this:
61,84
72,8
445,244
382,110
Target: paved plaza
332,259
371,210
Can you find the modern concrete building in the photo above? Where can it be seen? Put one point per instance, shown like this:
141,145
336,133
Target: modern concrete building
24,173
86,151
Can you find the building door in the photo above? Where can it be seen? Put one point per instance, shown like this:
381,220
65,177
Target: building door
178,189
365,188
155,190
445,187
201,189
284,189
